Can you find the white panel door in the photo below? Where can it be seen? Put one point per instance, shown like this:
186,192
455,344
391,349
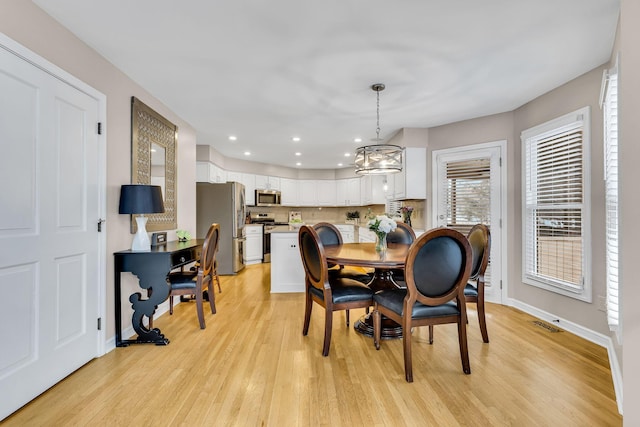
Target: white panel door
468,185
49,242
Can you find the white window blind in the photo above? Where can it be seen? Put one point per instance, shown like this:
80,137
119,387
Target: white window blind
555,244
467,197
610,111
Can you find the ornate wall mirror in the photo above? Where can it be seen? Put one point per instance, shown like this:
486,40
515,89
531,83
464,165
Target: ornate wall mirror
153,161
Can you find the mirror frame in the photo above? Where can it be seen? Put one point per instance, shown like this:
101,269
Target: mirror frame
147,128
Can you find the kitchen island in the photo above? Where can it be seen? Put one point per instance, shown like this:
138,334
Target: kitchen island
287,272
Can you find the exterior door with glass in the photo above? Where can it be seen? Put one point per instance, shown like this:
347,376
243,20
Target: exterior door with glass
468,183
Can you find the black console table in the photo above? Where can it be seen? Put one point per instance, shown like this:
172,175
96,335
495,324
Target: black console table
151,268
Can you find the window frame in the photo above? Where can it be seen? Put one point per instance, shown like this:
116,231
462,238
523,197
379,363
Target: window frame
581,118
608,101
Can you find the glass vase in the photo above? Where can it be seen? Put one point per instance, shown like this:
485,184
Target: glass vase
381,241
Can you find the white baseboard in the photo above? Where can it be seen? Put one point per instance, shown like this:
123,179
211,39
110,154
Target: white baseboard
589,335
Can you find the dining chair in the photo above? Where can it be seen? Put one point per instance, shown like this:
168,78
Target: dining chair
194,282
437,268
330,235
480,240
402,234
332,292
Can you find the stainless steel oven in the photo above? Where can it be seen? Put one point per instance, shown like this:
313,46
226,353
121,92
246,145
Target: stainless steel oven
270,224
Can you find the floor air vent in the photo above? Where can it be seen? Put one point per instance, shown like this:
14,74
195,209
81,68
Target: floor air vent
546,326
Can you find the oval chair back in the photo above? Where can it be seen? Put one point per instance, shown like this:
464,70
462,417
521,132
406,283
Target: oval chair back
402,234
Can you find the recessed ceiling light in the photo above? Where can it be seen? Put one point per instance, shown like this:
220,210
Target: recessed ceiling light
298,163
347,154
298,154
357,140
339,164
296,139
232,138
247,153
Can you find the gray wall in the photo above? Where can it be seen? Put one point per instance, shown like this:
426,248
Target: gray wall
629,104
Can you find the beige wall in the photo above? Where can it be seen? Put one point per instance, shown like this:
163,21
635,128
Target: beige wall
629,105
30,26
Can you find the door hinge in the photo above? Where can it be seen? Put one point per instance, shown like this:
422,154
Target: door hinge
99,323
500,161
100,221
500,283
500,222
99,128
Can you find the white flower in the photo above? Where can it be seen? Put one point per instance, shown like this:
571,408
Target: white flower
382,223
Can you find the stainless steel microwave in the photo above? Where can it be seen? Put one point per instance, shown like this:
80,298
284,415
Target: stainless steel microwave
267,198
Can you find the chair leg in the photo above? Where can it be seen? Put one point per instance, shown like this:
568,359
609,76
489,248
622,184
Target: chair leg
170,304
328,326
308,305
199,305
212,297
464,350
483,321
430,334
347,315
408,364
218,281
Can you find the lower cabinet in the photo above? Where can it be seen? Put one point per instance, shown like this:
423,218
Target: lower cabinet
253,244
348,232
287,272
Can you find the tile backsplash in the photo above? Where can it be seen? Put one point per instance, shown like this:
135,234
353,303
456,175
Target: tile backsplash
338,215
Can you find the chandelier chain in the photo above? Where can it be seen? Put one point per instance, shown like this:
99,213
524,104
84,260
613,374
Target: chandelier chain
378,115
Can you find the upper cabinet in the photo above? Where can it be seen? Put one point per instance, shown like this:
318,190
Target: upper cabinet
208,172
290,192
411,183
317,192
372,189
348,192
264,182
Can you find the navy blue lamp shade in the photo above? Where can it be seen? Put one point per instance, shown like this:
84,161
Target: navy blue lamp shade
141,199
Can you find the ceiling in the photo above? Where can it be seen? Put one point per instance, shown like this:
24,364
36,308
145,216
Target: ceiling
268,71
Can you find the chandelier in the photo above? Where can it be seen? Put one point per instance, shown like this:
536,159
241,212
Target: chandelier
378,158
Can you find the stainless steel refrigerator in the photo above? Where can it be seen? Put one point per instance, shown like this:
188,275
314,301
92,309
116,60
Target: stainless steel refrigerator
225,205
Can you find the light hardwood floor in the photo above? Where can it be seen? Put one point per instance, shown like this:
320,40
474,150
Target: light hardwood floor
251,366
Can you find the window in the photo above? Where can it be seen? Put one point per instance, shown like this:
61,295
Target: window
609,103
556,242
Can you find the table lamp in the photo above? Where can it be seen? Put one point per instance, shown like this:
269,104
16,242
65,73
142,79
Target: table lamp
140,200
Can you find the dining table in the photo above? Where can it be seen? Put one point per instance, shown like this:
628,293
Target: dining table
383,262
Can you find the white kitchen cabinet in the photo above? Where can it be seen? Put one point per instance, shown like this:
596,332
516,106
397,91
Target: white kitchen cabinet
317,192
208,172
348,232
287,272
348,192
372,190
366,236
289,189
411,183
326,192
264,182
253,244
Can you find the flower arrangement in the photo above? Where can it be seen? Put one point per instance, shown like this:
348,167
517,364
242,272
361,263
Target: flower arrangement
406,214
381,225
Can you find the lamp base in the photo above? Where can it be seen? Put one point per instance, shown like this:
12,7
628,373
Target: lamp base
141,240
